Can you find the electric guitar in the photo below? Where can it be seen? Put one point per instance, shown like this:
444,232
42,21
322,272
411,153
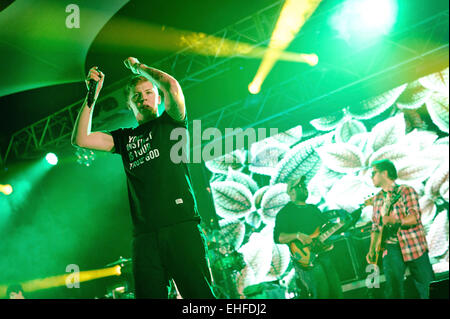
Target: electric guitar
387,231
305,254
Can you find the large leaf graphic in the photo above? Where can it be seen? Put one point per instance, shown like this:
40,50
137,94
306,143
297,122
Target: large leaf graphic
414,96
256,254
253,219
280,262
349,193
428,208
437,106
347,129
443,140
231,199
257,197
444,191
290,136
221,164
413,120
360,141
369,108
437,237
231,232
273,200
419,140
437,181
395,153
437,81
265,160
388,132
340,157
328,123
300,160
247,181
244,279
414,171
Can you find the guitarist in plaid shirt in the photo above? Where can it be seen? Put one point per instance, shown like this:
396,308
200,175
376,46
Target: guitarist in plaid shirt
407,246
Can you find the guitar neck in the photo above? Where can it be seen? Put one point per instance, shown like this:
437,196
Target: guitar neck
325,235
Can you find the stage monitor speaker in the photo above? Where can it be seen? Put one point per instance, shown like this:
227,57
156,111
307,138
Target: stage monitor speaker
345,261
439,289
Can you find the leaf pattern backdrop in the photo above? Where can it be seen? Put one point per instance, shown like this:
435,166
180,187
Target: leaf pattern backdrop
408,125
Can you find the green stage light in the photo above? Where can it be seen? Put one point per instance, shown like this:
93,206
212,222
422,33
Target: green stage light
51,158
359,20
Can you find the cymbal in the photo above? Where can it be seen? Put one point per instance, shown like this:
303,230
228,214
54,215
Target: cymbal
120,261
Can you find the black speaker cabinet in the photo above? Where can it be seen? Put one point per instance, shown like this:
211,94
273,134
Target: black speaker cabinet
349,256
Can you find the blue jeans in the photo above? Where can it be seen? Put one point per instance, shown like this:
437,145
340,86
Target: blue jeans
394,269
320,282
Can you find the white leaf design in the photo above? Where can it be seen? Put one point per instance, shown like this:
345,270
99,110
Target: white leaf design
437,237
328,123
324,180
340,157
257,197
338,196
232,232
265,160
443,140
256,254
444,190
414,96
360,141
247,181
437,81
435,154
369,108
428,208
221,164
300,160
347,129
416,171
244,279
418,140
273,200
437,180
289,137
231,199
394,153
437,106
366,216
280,262
253,219
388,132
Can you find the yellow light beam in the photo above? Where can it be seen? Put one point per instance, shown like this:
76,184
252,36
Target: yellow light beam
6,189
293,16
63,280
130,36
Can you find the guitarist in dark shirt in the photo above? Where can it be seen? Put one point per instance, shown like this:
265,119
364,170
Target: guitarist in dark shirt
297,221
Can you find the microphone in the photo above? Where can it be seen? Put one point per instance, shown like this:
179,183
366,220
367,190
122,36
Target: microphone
92,87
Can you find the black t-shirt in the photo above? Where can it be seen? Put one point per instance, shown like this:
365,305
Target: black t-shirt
293,218
159,190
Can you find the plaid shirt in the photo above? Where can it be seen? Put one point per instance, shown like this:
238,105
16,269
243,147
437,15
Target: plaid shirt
411,239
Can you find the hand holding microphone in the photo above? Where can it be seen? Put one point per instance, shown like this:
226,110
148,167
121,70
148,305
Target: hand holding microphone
94,83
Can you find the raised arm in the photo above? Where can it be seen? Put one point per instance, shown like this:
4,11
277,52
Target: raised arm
173,95
81,134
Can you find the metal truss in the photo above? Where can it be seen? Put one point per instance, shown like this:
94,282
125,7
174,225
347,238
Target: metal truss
314,93
293,96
